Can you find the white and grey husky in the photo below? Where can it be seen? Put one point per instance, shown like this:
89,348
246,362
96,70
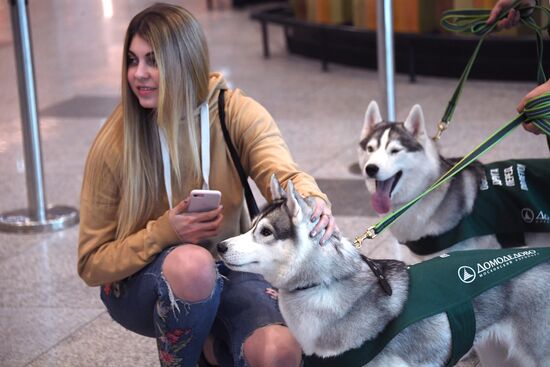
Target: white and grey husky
333,302
399,161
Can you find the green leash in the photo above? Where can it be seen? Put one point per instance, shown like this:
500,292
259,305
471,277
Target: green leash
537,110
475,21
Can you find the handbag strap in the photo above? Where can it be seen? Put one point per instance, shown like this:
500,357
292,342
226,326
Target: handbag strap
250,201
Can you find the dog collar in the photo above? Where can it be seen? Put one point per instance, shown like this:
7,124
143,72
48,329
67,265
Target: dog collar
305,287
313,285
379,275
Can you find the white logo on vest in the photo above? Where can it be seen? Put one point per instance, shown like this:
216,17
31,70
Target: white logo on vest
466,274
542,217
527,215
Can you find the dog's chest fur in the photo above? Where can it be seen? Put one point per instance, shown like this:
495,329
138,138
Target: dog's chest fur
442,209
327,320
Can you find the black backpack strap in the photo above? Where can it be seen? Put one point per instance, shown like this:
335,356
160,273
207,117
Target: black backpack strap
250,201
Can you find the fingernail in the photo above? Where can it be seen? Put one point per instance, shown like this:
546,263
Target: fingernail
313,234
314,219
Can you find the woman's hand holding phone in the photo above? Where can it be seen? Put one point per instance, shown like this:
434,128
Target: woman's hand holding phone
194,226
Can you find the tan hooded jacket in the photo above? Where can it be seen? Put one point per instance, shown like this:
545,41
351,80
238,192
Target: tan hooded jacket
104,259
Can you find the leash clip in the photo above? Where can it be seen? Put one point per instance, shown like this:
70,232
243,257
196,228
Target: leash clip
442,126
369,233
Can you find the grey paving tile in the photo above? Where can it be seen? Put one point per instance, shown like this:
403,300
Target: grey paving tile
45,274
383,246
349,197
62,161
82,106
34,330
101,342
342,164
13,244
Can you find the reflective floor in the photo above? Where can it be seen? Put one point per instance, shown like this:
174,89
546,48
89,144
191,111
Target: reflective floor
48,316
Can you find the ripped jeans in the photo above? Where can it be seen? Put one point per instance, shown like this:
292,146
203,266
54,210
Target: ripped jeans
144,303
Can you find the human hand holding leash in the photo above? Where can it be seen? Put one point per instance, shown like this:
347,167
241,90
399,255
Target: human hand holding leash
543,88
510,21
513,15
326,221
193,227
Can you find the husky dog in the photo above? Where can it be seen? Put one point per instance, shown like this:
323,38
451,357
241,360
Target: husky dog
333,302
399,161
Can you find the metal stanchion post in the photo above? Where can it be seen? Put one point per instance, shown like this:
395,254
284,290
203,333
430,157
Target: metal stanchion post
384,50
37,217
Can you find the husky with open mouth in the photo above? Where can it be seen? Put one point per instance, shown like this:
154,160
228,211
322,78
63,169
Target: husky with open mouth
399,161
334,300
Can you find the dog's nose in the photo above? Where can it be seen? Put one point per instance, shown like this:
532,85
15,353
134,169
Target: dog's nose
371,170
222,248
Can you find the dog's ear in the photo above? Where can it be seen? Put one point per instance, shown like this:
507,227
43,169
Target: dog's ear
295,203
415,122
372,117
277,191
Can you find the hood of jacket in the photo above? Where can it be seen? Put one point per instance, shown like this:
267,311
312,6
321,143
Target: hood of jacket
215,83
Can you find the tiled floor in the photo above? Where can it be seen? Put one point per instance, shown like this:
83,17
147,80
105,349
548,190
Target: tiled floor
48,317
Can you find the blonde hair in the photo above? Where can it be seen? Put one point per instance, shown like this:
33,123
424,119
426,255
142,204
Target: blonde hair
181,55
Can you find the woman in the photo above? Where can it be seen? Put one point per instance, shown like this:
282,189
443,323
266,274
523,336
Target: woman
155,261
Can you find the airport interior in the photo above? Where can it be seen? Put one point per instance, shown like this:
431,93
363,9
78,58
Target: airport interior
48,315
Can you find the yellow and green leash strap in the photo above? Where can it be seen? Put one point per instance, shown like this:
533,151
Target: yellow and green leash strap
475,21
537,110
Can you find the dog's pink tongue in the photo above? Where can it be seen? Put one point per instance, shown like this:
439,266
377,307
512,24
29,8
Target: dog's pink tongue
380,200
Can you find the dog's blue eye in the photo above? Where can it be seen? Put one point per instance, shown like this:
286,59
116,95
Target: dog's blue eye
266,232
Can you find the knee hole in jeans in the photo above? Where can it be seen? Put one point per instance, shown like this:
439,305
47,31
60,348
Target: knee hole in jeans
272,345
190,272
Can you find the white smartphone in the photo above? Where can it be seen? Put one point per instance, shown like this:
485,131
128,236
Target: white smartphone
204,200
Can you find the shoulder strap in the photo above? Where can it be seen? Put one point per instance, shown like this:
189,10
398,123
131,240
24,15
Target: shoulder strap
250,201
462,321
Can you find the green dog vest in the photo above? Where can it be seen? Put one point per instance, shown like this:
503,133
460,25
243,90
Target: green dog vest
513,198
445,284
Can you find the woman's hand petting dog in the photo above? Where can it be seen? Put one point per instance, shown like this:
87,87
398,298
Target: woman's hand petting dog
196,226
326,221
